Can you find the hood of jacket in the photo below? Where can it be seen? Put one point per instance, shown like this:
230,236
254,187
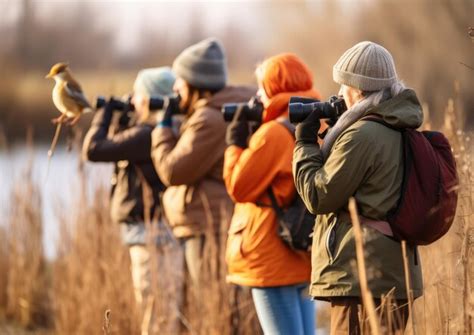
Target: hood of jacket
402,111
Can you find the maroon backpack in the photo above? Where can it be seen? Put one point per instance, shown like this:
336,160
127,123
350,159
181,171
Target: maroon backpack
427,205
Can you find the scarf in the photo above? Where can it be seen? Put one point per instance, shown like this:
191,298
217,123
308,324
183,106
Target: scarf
353,114
346,120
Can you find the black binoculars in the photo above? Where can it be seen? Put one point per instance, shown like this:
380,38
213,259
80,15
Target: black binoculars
156,102
300,108
251,111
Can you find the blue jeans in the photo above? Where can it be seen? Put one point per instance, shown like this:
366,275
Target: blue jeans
285,310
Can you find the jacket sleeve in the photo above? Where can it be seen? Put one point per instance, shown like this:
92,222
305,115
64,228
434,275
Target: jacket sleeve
248,172
188,159
132,144
325,187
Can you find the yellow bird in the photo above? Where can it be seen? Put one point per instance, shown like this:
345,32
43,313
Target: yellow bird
68,99
67,95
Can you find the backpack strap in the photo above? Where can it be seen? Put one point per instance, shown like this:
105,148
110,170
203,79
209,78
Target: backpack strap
291,129
287,124
280,215
378,119
278,210
276,207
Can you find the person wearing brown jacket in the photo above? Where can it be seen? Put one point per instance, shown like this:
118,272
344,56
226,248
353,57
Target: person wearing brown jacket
129,149
191,164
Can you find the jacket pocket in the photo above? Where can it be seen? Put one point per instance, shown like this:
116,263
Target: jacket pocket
235,239
174,203
331,240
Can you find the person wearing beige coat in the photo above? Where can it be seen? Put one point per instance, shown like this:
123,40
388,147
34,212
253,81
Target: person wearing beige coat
190,164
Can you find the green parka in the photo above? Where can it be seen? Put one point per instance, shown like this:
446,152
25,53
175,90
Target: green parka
364,162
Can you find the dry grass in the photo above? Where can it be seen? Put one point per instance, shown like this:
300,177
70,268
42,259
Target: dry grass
91,273
447,305
27,299
367,298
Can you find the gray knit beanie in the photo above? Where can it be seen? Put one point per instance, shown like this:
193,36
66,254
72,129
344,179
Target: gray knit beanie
203,65
366,66
155,81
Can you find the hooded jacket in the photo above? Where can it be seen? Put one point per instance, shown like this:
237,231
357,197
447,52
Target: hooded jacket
191,166
256,256
365,162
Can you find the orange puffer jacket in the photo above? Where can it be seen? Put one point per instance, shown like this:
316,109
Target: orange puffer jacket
255,254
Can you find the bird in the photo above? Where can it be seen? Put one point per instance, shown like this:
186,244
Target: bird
67,95
68,99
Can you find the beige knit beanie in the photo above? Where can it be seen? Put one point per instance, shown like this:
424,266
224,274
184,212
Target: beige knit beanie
366,66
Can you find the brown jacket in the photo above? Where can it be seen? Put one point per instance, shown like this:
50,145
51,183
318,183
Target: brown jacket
130,150
191,166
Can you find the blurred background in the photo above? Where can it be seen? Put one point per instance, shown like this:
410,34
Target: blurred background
107,42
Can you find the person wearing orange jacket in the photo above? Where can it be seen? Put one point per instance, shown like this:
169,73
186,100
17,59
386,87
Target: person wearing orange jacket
256,256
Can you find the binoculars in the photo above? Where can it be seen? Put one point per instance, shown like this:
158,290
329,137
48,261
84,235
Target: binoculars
300,108
251,111
156,102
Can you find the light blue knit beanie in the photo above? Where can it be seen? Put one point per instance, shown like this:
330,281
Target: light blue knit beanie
155,81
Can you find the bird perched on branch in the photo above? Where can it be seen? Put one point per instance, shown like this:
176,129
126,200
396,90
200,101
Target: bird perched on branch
68,99
67,95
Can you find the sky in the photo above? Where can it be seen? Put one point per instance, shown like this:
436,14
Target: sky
129,19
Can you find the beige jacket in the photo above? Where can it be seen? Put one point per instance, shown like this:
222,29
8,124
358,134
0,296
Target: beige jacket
191,166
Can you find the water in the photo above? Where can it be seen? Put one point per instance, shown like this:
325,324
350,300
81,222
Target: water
58,191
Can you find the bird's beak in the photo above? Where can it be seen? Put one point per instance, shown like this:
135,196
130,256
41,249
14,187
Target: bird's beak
48,76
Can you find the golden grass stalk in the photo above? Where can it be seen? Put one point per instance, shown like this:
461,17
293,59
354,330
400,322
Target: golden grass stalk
92,272
27,300
106,326
408,286
367,298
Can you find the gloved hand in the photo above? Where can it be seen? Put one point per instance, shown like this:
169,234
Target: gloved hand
307,131
165,118
103,117
238,130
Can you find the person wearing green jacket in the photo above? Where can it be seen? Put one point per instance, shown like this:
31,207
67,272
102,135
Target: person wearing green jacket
361,159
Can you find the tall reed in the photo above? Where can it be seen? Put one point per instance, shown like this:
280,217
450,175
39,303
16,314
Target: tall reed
27,295
92,273
447,305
